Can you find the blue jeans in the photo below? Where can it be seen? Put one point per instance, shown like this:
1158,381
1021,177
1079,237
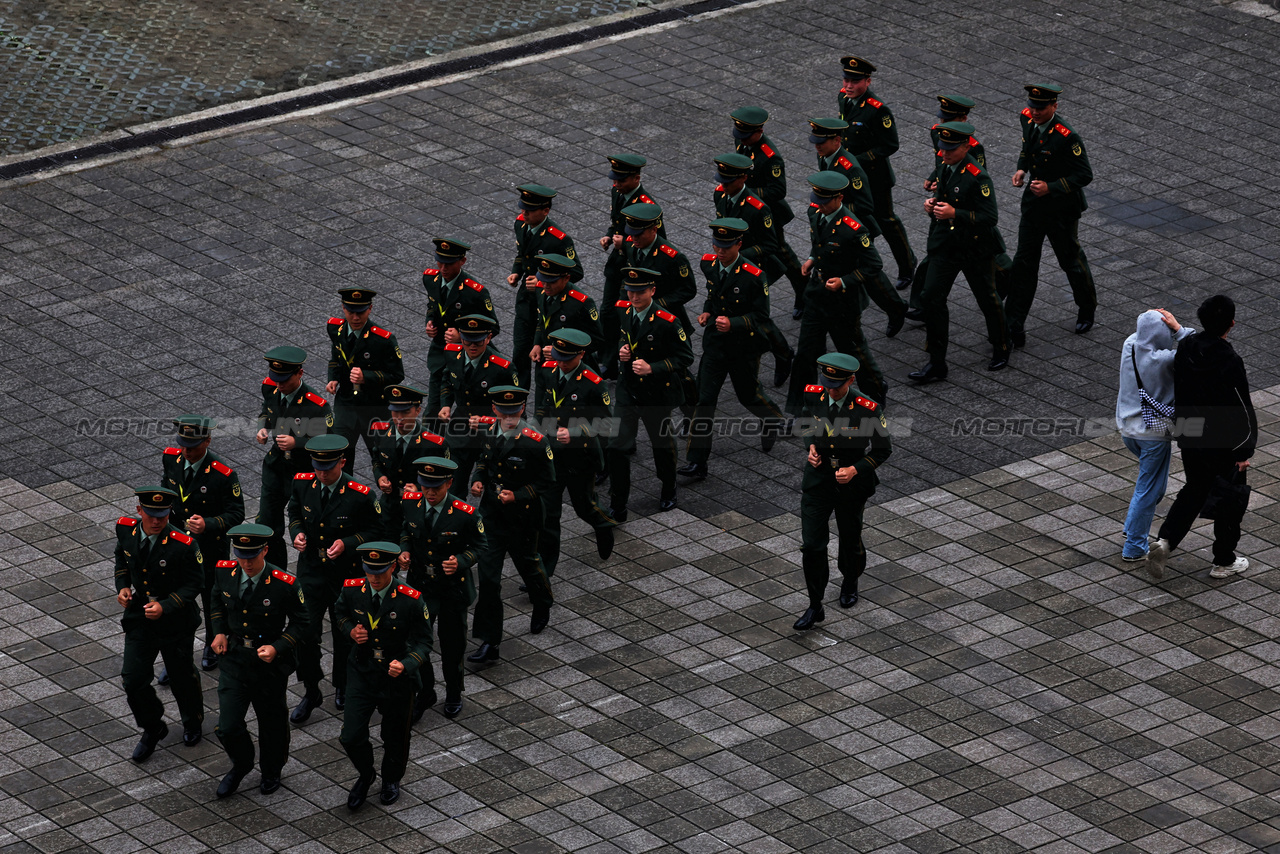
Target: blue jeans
1153,476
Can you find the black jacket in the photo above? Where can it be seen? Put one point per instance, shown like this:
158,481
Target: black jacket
1211,398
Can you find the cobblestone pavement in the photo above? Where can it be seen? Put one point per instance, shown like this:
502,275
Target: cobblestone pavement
1005,685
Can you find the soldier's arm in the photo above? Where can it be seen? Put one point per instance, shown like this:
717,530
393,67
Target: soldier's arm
123,578
681,351
475,543
191,580
592,326
297,620
568,250
1024,155
217,605
773,188
1079,172
862,262
884,139
335,372
369,523
448,394
389,370
418,644
344,618
683,286
983,211
546,475
377,461
295,511
265,419
234,513
757,308
881,446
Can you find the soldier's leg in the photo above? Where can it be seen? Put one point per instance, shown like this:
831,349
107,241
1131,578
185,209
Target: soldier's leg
815,512
346,423
1024,273
136,672
397,724
206,596
937,315
342,644
486,626
917,287
981,276
271,506
317,603
184,680
582,493
368,415
451,622
355,728
792,265
884,294
847,337
894,233
744,373
783,355
271,707
661,430
712,370
851,555
552,510
622,447
810,346
466,458
609,322
1065,239
435,377
236,688
522,339
522,545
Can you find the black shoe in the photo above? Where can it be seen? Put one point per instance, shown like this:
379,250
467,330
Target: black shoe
813,614
452,705
426,699
904,282
163,679
541,616
781,370
604,542
485,652
929,373
339,698
602,477
209,660
667,504
360,791
1018,339
848,595
697,471
768,438
147,744
618,514
191,737
915,314
303,710
1084,322
999,359
270,783
683,427
523,588
895,326
390,794
797,312
230,783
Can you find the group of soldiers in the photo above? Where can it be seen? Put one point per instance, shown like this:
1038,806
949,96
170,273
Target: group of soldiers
475,467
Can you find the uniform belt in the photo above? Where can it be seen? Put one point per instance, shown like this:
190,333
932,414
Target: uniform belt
248,643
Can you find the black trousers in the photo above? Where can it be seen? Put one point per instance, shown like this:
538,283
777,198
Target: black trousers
893,231
1063,235
138,670
366,696
1202,466
245,680
581,486
321,597
622,447
941,274
743,370
817,503
846,336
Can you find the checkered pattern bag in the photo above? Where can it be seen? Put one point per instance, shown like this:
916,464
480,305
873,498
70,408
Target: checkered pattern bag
1157,417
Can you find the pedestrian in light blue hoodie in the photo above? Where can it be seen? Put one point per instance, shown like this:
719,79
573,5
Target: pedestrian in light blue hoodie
1150,350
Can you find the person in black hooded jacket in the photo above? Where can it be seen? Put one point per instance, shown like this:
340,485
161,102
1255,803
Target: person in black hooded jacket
1216,430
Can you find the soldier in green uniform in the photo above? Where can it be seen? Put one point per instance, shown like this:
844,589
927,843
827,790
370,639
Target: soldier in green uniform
389,639
873,138
962,238
515,470
653,359
736,307
573,410
440,541
624,171
363,360
291,414
209,502
536,235
1054,168
397,442
158,576
450,295
768,181
562,307
848,440
260,618
841,263
466,412
329,518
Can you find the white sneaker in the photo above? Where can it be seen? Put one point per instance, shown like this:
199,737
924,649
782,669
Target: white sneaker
1156,558
1240,565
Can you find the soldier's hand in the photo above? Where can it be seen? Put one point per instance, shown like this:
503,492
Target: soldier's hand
562,435
452,335
641,368
219,644
806,266
403,560
473,422
336,549
928,205
815,459
513,278
845,474
722,324
357,376
618,240
267,653
153,610
605,243
930,185
359,634
703,318
196,524
1018,177
431,328
531,283
263,435
449,565
443,414
624,353
384,483
834,284
1039,188
506,496
124,597
285,442
943,211
535,355
331,386
394,669
477,488
300,542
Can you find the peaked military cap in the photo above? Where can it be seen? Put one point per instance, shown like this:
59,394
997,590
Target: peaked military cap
534,196
821,130
378,556
837,367
625,165
448,249
326,451
953,105
856,68
474,327
434,471
732,165
552,266
357,298
249,539
285,360
509,399
748,120
728,230
953,134
192,429
1042,94
826,186
403,396
569,341
155,501
639,278
641,216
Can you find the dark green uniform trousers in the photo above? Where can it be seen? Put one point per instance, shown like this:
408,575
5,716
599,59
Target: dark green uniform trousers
271,505
466,458
581,486
449,621
352,423
245,680
321,596
140,650
980,273
894,233
1063,235
515,534
846,336
622,447
743,371
522,332
817,503
367,695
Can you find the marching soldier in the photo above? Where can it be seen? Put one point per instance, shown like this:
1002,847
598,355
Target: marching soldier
962,238
291,414
841,263
388,638
440,542
827,136
562,307
736,306
450,296
363,360
209,503
396,444
873,138
654,357
536,235
466,412
515,471
260,619
158,576
624,171
329,518
1054,168
848,440
573,404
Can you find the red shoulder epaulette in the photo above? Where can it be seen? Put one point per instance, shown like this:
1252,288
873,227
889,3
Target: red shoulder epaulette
710,256
227,564
182,538
972,169
719,188
430,272
380,425
668,249
353,582
555,232
592,375
768,152
646,200
520,217
432,437
128,521
408,591
973,143
316,399
845,162
755,203
1026,111
813,204
378,330
500,362
815,388
578,295
852,223
305,475
473,284
666,315
283,576
269,382
751,268
869,404
552,363
873,102
172,451
486,419
453,348
622,303
1062,129
335,321
412,496
463,506
358,487
222,468
532,434
936,126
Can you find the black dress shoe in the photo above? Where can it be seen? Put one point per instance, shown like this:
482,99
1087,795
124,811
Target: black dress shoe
604,542
390,794
426,699
895,325
147,744
192,737
302,711
930,373
452,705
541,616
697,471
797,312
230,783
782,370
485,652
848,596
209,660
1018,339
602,477
163,679
618,514
915,314
999,360
813,614
360,791
523,588
339,698
269,784
1084,322
768,438
904,282
667,504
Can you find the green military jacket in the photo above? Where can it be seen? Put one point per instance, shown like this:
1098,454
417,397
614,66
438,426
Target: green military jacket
676,285
302,415
272,615
760,244
375,351
395,462
543,239
214,494
1058,158
976,151
582,408
172,574
618,201
458,532
841,248
855,434
398,631
972,234
661,342
467,397
524,464
570,309
741,294
872,136
353,515
448,301
768,178
857,196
